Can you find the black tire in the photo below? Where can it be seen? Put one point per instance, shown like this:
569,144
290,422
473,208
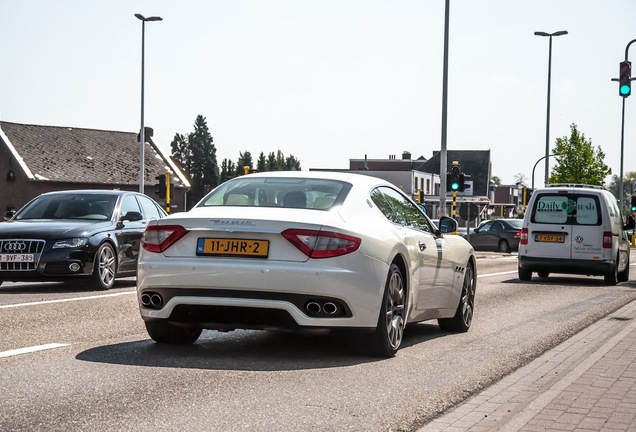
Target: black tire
164,332
387,337
504,247
543,274
624,275
465,309
612,278
104,269
524,275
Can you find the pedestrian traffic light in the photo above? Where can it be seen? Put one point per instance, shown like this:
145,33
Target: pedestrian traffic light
625,79
633,207
455,179
160,187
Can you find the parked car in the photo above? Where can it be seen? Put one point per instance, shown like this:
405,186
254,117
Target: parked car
574,229
87,236
500,235
302,251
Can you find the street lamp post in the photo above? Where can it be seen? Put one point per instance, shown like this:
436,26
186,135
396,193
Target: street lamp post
547,123
142,135
535,166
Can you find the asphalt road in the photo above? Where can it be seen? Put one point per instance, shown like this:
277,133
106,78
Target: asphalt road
75,360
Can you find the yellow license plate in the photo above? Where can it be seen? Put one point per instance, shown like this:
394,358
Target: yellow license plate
550,238
233,247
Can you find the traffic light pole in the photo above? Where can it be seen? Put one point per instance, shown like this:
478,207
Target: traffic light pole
168,192
620,178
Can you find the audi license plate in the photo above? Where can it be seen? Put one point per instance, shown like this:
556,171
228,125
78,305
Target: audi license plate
233,247
17,258
549,238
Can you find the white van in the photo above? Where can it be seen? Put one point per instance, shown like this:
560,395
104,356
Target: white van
575,229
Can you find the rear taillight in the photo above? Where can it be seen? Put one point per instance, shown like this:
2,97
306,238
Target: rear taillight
321,244
607,239
524,236
518,234
158,238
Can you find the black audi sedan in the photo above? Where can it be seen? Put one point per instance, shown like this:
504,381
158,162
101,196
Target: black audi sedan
86,236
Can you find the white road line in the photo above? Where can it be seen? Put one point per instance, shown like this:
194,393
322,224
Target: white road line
32,349
498,274
66,300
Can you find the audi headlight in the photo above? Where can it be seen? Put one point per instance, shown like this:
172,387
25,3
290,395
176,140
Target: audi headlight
71,243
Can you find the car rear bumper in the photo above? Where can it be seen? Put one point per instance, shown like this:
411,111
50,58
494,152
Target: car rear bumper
244,294
571,266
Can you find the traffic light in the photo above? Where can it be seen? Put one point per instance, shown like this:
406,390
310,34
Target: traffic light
625,79
160,187
246,169
420,196
455,179
633,207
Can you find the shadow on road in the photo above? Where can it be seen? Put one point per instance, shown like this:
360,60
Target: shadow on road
251,350
57,287
587,281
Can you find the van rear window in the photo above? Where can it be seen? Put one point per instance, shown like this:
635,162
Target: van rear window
567,209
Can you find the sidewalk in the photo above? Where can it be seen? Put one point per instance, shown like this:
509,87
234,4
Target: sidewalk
587,383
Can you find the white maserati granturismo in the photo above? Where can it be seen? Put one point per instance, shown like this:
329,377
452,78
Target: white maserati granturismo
301,251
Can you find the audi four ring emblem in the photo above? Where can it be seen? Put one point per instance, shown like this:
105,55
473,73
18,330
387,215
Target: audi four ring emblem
14,247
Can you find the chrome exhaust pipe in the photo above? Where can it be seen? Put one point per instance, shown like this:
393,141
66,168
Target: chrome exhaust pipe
145,299
156,300
313,308
330,308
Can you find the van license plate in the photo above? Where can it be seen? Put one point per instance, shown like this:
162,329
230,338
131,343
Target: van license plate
549,238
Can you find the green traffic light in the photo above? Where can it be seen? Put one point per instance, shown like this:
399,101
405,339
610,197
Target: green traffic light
624,89
454,186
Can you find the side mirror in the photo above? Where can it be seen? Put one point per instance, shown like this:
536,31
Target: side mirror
447,225
132,216
9,214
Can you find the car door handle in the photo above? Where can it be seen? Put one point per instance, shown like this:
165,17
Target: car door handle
422,246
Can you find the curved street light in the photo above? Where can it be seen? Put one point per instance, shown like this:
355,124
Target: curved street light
142,135
547,123
535,165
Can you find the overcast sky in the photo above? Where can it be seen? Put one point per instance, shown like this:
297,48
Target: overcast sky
327,80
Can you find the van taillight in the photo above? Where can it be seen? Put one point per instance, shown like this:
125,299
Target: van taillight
524,236
607,239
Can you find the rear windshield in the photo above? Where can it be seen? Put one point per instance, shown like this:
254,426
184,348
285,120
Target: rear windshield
249,191
569,209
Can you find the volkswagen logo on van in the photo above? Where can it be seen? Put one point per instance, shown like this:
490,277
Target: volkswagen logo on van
14,246
579,239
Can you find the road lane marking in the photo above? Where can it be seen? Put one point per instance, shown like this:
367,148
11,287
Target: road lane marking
32,349
498,274
66,300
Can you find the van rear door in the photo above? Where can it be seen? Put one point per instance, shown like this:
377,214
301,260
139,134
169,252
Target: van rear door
587,232
549,230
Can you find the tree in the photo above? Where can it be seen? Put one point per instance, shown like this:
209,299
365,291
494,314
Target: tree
578,161
520,179
244,160
228,170
196,155
495,180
